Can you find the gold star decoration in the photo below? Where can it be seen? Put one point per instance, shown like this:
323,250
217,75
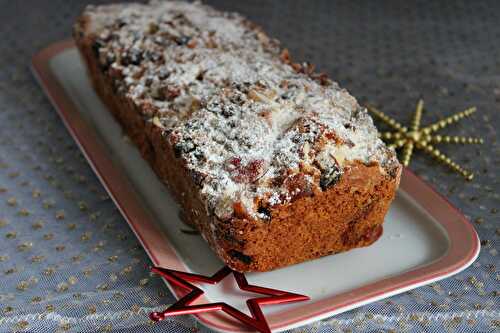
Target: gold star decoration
424,138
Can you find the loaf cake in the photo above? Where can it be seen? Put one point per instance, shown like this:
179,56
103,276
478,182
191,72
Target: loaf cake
271,162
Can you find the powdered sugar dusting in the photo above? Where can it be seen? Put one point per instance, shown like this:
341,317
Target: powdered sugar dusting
254,129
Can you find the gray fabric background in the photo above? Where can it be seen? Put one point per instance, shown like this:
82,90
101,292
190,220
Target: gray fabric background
69,262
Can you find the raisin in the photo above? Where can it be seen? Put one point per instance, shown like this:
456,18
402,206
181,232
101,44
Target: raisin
155,57
119,23
287,95
198,177
132,57
278,180
181,18
297,138
265,212
148,81
116,74
105,61
200,75
178,150
243,87
199,155
98,43
329,177
228,111
240,256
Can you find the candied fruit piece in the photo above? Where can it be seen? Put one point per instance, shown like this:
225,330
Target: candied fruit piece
245,173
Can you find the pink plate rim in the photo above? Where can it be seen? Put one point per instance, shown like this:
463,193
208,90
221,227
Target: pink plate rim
464,242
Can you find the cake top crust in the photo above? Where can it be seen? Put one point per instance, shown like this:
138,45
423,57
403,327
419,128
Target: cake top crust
254,129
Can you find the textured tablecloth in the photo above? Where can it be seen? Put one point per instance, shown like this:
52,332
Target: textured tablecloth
68,260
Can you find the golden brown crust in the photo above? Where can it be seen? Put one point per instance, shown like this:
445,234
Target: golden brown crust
347,215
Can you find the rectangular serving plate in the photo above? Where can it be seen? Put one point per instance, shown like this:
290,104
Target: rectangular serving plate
425,238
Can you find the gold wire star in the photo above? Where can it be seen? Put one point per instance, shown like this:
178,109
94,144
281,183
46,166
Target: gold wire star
423,138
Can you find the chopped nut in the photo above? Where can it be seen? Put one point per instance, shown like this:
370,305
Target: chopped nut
157,122
153,28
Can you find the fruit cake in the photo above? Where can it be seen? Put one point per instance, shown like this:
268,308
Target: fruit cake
273,163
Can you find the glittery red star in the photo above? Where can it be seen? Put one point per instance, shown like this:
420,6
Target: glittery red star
183,306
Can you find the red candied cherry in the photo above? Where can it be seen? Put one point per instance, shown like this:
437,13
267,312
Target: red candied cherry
244,173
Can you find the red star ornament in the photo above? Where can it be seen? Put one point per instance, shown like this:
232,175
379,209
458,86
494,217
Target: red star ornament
183,305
